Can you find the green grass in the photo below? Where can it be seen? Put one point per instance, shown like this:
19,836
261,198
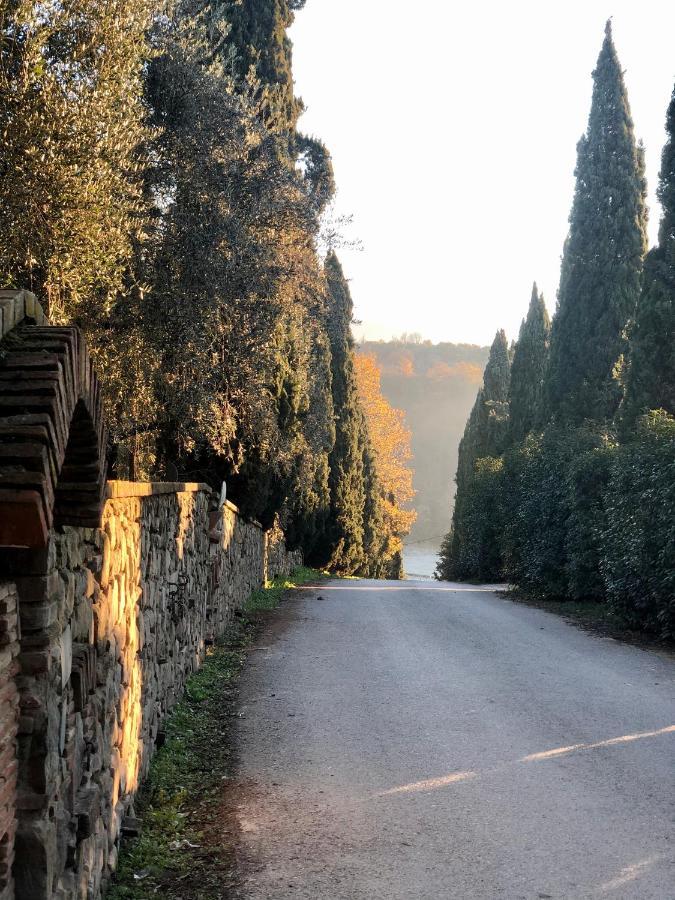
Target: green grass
269,597
180,803
585,612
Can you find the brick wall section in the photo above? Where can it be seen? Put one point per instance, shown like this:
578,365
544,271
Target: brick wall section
9,718
112,628
52,437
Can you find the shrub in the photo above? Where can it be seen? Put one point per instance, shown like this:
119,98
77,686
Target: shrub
586,485
552,513
638,543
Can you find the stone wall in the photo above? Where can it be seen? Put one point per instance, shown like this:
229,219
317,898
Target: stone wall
113,621
9,720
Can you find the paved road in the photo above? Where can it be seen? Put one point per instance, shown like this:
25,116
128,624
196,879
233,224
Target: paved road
422,740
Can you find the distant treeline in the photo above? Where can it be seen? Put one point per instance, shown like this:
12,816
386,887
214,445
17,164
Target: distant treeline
435,385
156,192
566,472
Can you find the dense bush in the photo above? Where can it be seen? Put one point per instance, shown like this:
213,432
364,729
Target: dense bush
572,515
550,518
638,542
586,487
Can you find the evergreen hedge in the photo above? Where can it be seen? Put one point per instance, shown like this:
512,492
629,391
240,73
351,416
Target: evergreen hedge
572,515
638,541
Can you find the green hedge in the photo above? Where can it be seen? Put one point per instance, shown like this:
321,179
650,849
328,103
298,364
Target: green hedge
552,512
638,542
573,515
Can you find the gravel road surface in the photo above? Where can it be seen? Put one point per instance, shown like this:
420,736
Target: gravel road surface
426,740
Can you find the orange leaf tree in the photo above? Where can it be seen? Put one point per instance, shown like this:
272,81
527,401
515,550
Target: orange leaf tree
390,439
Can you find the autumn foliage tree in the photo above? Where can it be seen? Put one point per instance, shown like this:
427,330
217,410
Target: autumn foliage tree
391,445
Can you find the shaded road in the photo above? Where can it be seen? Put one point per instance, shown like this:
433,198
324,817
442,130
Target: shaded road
413,740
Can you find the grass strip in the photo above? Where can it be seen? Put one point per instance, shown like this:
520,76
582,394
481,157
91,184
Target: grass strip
185,849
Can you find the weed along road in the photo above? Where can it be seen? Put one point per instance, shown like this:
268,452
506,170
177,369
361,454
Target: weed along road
429,740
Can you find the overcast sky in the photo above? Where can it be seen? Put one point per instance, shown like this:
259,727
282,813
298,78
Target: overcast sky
453,131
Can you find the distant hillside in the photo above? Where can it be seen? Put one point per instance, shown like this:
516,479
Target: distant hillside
436,385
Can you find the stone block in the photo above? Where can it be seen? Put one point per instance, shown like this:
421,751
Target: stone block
87,810
35,662
38,588
38,616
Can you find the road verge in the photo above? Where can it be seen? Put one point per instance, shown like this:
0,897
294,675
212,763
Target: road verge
186,837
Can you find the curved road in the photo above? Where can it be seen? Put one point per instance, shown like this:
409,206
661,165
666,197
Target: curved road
424,740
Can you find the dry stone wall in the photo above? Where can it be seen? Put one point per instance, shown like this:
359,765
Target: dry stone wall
9,721
113,620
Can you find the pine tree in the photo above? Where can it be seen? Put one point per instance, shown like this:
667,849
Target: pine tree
651,377
528,369
603,256
346,460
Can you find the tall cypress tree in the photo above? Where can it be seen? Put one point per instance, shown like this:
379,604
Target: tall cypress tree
485,429
484,436
651,377
346,476
528,369
259,37
603,256
493,420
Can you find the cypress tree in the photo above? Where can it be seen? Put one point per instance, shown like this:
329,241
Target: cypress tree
346,460
603,256
238,290
493,420
484,436
527,370
484,431
259,37
651,377
308,504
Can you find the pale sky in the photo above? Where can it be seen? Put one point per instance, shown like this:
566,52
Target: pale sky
453,130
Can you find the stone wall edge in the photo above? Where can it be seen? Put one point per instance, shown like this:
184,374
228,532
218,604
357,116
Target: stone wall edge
126,490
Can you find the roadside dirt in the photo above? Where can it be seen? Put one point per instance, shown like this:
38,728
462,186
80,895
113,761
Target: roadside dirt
593,618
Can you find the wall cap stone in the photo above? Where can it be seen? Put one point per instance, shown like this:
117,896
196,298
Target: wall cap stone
124,490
